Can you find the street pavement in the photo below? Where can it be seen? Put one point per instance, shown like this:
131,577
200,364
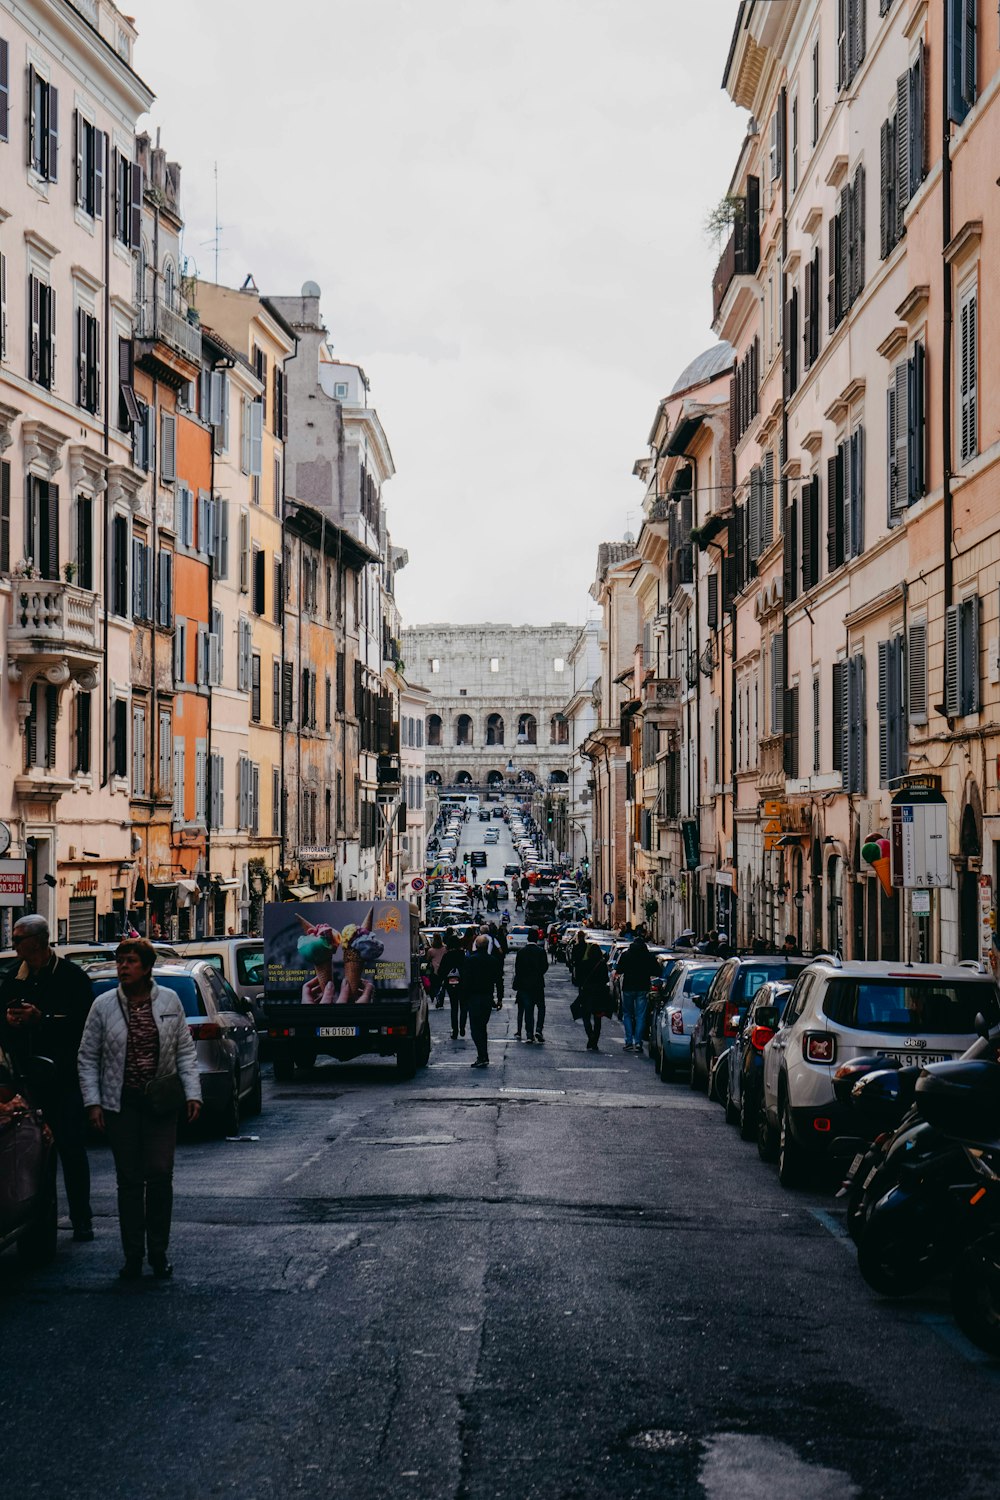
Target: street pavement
555,1278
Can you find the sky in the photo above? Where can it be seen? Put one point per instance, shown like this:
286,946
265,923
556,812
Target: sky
503,202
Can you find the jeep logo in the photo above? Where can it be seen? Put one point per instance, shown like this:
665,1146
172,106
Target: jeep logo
915,1041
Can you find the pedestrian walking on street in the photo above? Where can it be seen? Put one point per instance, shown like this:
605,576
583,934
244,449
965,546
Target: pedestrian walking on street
576,952
452,967
138,1069
435,957
529,985
478,982
44,1002
594,992
636,968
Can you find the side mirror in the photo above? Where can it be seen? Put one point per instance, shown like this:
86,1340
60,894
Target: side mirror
768,1016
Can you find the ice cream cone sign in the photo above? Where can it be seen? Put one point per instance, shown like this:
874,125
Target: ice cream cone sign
876,852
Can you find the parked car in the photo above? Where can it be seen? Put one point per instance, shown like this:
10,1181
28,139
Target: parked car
675,1009
745,1074
224,1033
840,1010
240,961
29,1214
512,869
84,954
735,985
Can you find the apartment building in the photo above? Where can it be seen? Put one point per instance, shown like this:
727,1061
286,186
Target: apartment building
583,664
70,208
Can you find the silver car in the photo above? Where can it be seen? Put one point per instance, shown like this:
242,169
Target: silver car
677,1014
224,1034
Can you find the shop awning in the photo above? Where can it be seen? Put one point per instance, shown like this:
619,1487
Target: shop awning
225,885
188,891
301,892
162,885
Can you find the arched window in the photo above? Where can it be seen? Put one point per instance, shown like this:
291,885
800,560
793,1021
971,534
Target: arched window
558,778
433,778
559,729
494,778
494,730
527,730
170,286
463,730
463,779
434,731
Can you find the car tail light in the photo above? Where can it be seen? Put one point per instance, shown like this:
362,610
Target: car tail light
206,1031
819,1047
759,1037
677,1023
822,1124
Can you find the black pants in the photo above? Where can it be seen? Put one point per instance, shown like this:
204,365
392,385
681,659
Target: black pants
65,1114
592,1025
533,1009
459,1009
480,1009
143,1147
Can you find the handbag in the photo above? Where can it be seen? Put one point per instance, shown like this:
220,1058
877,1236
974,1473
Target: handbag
576,1008
165,1096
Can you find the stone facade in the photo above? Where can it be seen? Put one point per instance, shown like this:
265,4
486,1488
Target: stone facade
498,696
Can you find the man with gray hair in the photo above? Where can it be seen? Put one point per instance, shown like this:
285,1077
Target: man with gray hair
44,1003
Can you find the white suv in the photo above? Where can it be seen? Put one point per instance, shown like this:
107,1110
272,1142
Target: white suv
841,1010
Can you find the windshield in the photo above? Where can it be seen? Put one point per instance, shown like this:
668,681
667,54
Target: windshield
906,1005
181,984
698,981
250,965
752,976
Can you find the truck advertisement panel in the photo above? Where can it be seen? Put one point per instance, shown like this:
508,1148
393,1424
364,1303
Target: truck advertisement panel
336,952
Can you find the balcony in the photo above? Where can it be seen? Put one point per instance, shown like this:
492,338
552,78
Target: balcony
661,702
52,623
167,345
741,257
771,764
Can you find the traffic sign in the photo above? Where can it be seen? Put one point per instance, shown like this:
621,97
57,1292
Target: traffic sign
416,884
390,890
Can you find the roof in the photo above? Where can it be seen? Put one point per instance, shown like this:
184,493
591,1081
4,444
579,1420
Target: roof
712,362
609,553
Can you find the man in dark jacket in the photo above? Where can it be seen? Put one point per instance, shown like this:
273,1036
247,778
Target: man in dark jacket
478,981
529,986
450,981
44,1002
636,967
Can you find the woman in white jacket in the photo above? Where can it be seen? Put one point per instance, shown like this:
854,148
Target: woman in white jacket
138,1067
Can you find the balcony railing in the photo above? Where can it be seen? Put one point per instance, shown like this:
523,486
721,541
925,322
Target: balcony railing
662,701
52,616
158,321
741,257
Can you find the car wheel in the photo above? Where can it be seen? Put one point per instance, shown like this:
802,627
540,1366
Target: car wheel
664,1068
767,1138
792,1164
748,1115
732,1110
255,1099
37,1245
229,1118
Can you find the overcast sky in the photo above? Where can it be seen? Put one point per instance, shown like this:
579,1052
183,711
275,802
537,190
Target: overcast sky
503,203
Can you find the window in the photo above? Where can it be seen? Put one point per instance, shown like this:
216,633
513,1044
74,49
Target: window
216,790
815,91
961,658
244,552
278,420
961,58
341,682
43,126
244,652
128,404
760,507
850,724
845,501
41,541
795,143
82,735
177,808
850,40
41,332
968,374
180,652
164,588
776,143
434,731
218,410
255,687
164,753
559,664
435,664
328,715
89,148
902,154
248,794
84,542
846,270
906,436
251,436
40,726
891,711
816,722
119,738
811,312
119,567
340,390
744,391
168,447
790,755
4,90
276,796
219,525
494,663
88,361
3,307
128,202
916,672
275,690
259,573
791,344
778,683
142,438
139,788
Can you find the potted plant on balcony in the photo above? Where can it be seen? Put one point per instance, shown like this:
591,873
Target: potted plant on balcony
69,571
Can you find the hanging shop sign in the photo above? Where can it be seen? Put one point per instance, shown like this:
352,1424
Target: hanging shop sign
919,838
13,881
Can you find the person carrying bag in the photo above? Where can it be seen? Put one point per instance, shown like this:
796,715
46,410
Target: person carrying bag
595,997
138,1069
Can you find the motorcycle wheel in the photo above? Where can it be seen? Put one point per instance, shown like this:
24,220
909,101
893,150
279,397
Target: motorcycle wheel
895,1263
975,1293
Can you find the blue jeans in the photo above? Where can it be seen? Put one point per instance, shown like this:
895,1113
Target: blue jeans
634,1004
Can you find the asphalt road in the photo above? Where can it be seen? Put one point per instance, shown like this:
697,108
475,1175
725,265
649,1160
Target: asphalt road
556,1278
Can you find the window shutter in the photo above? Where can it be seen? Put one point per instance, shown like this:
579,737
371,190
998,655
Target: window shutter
755,513
887,170
179,652
969,655
4,90
51,721
222,538
916,662
259,565
884,648
968,361
83,705
838,703
287,689
831,275
834,508
255,686
244,552
791,546
135,206
713,601
168,446
968,53
5,517
768,500
256,437
951,684
777,684
917,423
52,171
900,489
842,73
902,149
806,558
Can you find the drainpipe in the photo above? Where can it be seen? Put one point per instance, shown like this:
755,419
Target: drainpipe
282,819
697,639
106,449
947,507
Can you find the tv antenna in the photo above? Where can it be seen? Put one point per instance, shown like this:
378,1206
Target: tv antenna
215,244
